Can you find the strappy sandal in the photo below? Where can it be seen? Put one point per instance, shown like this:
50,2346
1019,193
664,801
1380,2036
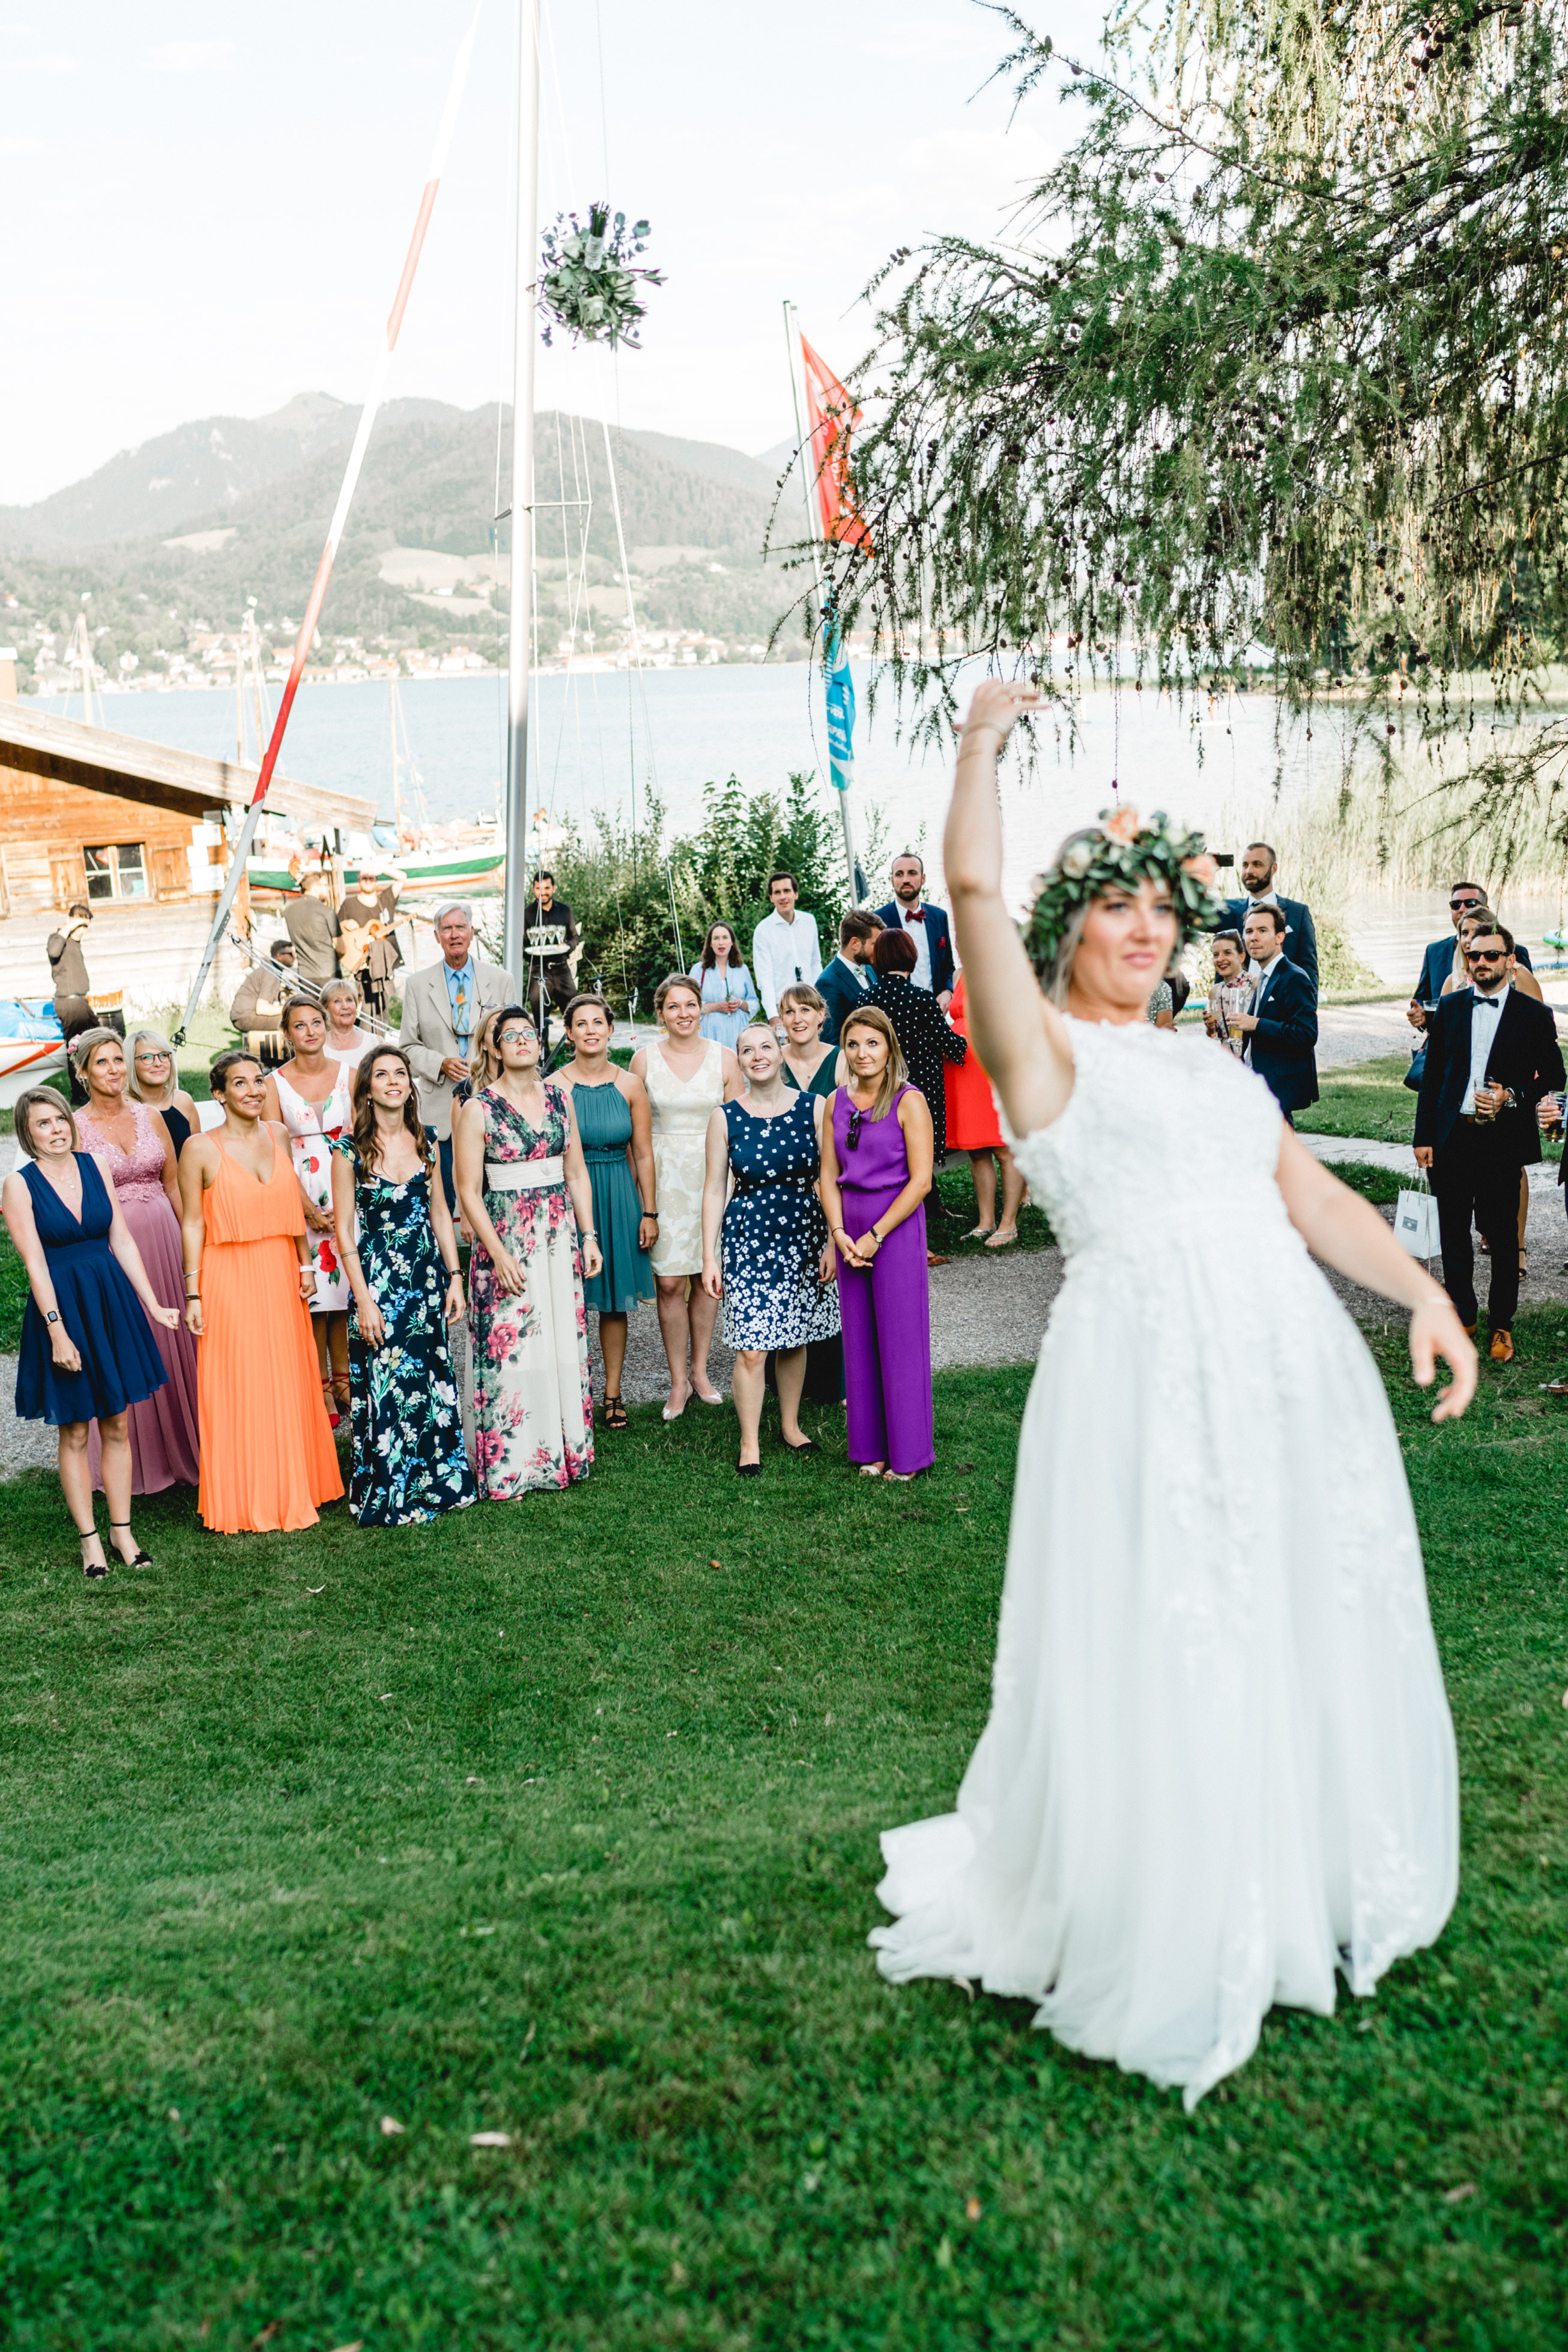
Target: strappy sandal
614,1414
138,1559
91,1567
343,1396
330,1402
980,1232
1003,1238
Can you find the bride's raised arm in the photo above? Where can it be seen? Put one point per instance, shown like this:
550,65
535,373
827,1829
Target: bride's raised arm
1021,1039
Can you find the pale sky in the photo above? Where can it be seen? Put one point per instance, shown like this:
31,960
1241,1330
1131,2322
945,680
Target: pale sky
206,206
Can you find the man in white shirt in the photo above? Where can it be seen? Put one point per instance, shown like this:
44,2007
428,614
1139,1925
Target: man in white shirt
784,945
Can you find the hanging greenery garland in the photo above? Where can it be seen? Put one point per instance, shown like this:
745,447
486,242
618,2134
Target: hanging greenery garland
590,281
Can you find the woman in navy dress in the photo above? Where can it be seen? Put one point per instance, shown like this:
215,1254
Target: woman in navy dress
86,1352
777,1276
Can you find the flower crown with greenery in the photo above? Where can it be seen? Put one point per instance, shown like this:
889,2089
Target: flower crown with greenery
1119,853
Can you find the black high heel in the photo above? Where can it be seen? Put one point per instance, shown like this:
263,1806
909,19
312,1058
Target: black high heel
614,1413
138,1559
91,1567
807,1445
749,1469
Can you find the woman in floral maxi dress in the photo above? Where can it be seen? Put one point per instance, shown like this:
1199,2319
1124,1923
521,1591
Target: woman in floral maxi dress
524,1187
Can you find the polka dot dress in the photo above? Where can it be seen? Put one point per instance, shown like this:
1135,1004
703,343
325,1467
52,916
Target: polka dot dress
775,1232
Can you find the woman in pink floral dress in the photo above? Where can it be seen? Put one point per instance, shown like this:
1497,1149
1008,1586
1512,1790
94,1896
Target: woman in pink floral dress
523,1188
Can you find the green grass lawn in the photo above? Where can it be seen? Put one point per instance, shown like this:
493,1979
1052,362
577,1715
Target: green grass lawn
559,1821
1367,1099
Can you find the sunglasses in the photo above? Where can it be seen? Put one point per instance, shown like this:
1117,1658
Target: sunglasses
853,1136
1489,955
1459,905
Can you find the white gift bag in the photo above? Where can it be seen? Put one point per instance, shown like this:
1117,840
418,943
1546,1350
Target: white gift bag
1415,1220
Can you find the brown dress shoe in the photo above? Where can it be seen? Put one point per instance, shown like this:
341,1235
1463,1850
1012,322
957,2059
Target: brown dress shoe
1502,1346
1470,1328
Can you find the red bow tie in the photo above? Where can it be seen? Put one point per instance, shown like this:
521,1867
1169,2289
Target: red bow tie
915,913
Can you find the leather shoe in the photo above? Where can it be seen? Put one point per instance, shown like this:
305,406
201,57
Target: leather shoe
1470,1329
1502,1346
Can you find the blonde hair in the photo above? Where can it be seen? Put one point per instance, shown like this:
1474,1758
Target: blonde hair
86,1045
161,1045
332,988
896,1075
36,1099
484,1062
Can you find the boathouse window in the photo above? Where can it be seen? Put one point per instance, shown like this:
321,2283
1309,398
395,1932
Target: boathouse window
119,870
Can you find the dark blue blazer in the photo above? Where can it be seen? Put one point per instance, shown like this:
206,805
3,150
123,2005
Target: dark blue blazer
1282,1047
1301,938
837,986
937,940
1439,963
1525,1057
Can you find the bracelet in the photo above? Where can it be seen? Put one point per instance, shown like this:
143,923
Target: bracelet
455,1274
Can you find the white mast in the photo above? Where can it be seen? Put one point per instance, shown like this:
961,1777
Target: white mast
525,338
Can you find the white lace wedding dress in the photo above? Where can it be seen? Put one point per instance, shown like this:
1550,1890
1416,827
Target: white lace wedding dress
1219,1757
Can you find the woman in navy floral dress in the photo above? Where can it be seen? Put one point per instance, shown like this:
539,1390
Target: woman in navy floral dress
400,1253
523,1188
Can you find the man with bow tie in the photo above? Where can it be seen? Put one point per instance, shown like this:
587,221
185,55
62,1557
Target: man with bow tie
926,926
1259,867
1491,1054
1281,1026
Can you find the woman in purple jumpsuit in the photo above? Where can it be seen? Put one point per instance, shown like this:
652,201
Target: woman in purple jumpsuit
876,1172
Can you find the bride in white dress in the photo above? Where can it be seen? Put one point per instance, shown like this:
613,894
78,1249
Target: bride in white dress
1219,1761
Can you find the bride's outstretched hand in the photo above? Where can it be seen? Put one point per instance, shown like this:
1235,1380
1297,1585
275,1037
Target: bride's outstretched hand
998,701
1436,1330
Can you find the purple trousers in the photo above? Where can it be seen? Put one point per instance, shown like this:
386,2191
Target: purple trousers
886,1313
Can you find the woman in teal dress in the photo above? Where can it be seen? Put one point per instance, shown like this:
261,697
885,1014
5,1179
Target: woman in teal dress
614,1124
398,1248
809,1065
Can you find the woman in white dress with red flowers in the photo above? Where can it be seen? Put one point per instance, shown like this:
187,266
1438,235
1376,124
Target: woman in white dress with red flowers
1219,1762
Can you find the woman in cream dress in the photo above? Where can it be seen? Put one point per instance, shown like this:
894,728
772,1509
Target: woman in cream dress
687,1077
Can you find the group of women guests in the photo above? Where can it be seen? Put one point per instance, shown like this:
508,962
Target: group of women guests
204,1305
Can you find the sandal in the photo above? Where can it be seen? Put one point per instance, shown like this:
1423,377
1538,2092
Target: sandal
1522,1266
614,1413
343,1396
330,1403
138,1559
874,1469
980,1232
92,1567
1003,1237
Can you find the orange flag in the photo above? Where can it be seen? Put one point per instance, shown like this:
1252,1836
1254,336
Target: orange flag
832,415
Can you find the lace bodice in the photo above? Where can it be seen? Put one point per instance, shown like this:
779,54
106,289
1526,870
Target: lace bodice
1165,1142
140,1170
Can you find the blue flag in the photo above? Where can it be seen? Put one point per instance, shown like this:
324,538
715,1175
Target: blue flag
841,709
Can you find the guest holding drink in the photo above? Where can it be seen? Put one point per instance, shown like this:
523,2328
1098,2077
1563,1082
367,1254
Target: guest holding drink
87,1354
525,1192
154,1079
614,1126
808,1063
687,1077
1231,993
310,1095
399,1250
729,1000
268,1458
876,1173
134,1145
973,1127
778,1263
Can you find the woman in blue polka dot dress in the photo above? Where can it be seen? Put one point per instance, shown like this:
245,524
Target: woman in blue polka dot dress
779,1264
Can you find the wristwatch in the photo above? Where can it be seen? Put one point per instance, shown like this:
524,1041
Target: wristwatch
50,1317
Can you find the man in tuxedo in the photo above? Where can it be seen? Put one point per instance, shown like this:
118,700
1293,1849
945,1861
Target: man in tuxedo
1281,1028
1440,959
926,926
1259,866
1491,1054
843,982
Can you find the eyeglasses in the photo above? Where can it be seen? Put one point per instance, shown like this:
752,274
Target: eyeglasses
153,1058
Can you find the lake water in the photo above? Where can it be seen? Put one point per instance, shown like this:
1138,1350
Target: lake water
603,742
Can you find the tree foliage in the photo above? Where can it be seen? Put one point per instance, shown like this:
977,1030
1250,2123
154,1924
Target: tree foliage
1271,365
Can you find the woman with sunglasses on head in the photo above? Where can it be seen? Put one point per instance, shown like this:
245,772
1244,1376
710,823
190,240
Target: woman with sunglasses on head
154,1079
778,1259
134,1144
525,1192
614,1127
399,1250
268,1458
86,1355
876,1173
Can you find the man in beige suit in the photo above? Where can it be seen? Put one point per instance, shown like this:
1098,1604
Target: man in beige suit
443,1006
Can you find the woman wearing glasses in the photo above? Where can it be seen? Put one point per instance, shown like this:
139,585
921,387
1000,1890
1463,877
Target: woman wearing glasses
155,1080
524,1189
876,1173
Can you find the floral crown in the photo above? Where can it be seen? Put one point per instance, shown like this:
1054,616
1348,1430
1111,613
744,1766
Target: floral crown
1123,851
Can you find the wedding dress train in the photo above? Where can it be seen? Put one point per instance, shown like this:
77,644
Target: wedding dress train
1220,1758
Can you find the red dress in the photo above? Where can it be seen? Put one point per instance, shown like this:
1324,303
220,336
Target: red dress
972,1122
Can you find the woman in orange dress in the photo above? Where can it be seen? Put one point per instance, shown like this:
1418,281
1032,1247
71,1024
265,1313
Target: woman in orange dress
973,1126
268,1456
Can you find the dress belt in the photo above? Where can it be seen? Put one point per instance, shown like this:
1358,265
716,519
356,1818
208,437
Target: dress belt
523,1175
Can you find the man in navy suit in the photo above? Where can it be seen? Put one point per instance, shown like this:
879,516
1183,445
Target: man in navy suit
926,926
1281,1029
1438,963
1259,866
842,983
1491,1054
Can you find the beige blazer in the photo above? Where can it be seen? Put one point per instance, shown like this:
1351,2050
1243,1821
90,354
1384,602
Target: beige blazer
427,1036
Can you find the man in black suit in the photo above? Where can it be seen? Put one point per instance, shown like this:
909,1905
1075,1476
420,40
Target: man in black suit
1281,1029
843,981
1491,1054
926,926
1259,866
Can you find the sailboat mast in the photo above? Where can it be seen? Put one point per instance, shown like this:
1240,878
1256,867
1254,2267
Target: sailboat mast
397,795
525,339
